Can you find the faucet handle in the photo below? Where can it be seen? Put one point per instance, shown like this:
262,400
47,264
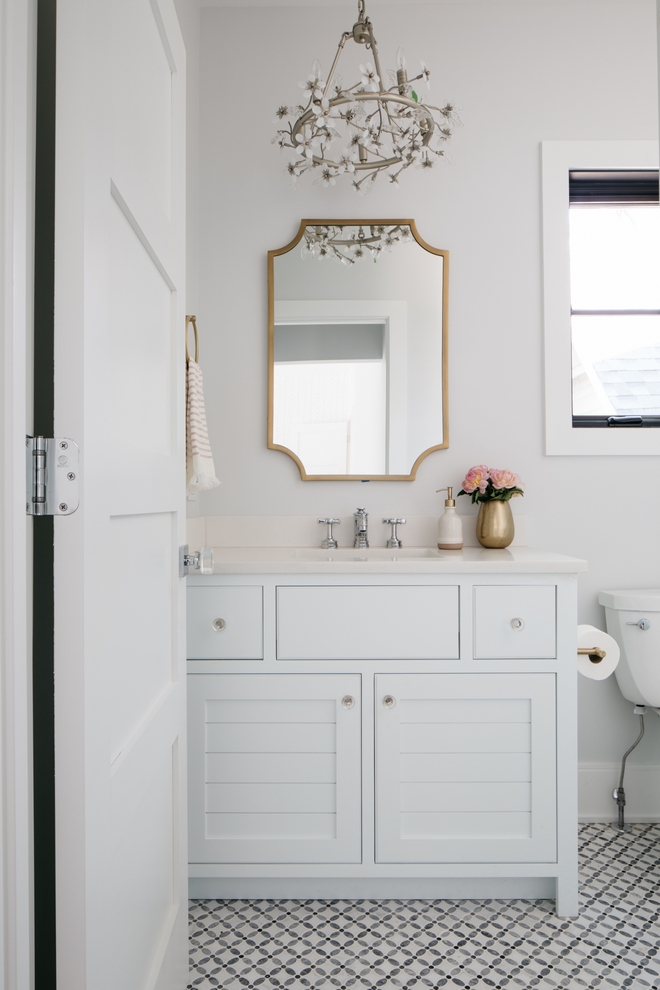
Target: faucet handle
329,543
394,542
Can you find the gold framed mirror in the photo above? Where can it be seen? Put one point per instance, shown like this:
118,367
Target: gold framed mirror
357,350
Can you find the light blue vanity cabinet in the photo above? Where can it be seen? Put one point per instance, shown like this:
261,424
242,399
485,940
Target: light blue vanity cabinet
409,729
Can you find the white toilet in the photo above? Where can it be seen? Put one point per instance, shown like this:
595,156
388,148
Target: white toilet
633,620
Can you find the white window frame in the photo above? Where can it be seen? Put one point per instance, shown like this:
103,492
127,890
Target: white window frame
558,158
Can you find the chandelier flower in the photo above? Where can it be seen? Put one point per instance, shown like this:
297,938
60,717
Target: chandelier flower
382,130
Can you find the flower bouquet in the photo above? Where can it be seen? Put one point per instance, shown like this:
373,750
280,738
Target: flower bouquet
486,484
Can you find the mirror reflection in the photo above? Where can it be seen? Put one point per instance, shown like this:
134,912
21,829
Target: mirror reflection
358,349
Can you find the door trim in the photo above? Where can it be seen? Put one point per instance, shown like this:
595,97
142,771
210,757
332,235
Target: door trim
18,61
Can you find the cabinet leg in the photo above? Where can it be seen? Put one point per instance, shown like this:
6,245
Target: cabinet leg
566,897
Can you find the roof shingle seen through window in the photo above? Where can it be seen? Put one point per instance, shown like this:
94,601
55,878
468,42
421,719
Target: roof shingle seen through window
632,382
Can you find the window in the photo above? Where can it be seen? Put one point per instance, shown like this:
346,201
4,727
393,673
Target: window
601,243
614,224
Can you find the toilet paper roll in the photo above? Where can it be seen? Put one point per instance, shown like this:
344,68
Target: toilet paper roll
596,669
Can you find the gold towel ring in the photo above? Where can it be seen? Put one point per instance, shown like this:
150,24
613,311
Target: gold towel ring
192,320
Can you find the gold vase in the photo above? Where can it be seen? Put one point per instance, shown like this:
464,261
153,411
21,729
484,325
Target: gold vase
495,528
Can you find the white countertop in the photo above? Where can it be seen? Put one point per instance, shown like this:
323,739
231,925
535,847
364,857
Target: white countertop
378,560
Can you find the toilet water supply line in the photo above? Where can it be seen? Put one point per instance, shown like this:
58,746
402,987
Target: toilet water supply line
618,793
597,655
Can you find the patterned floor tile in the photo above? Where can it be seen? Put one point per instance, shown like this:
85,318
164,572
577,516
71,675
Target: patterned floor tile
488,945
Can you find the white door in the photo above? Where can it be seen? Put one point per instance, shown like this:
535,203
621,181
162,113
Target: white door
275,768
465,768
119,392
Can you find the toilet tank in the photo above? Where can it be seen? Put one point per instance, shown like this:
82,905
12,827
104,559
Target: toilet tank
638,671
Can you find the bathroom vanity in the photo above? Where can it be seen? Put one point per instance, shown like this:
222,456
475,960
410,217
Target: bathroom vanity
378,723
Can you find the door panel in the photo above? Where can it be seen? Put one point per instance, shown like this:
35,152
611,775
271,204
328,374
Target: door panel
142,644
140,342
451,789
119,392
143,102
274,768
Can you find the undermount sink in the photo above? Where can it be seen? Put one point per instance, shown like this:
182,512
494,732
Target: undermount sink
370,553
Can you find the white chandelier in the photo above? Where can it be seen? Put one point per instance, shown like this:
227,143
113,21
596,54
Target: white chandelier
352,243
383,130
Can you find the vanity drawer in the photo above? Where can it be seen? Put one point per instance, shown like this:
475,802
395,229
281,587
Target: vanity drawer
367,623
225,623
515,622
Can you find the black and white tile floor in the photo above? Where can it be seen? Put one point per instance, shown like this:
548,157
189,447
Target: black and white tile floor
516,944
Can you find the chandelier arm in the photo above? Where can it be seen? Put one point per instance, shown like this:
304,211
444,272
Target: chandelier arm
377,157
360,166
344,38
365,97
380,118
374,51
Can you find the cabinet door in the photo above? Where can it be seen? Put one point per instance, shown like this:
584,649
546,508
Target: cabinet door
465,768
368,623
274,768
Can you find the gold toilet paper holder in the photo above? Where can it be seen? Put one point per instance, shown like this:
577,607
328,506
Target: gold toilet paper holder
594,653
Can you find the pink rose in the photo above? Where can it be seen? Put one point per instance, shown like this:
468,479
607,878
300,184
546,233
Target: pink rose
504,479
477,477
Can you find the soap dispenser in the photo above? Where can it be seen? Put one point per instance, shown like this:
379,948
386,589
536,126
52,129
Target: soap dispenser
450,525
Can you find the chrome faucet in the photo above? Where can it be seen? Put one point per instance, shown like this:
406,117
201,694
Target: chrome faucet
394,542
329,543
361,537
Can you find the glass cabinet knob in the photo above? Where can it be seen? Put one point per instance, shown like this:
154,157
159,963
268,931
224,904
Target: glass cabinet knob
206,560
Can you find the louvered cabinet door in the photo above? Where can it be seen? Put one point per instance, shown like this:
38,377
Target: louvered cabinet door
465,768
274,768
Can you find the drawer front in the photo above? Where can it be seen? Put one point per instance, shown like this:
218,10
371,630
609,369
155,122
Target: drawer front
274,768
367,623
225,623
515,622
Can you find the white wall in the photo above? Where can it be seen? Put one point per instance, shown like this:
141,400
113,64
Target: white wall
523,73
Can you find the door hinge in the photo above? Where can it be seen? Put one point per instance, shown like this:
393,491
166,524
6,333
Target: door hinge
52,476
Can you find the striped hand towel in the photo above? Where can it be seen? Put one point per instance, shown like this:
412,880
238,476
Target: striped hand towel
200,471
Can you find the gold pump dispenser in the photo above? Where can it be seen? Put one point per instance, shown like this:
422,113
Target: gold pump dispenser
450,524
449,501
